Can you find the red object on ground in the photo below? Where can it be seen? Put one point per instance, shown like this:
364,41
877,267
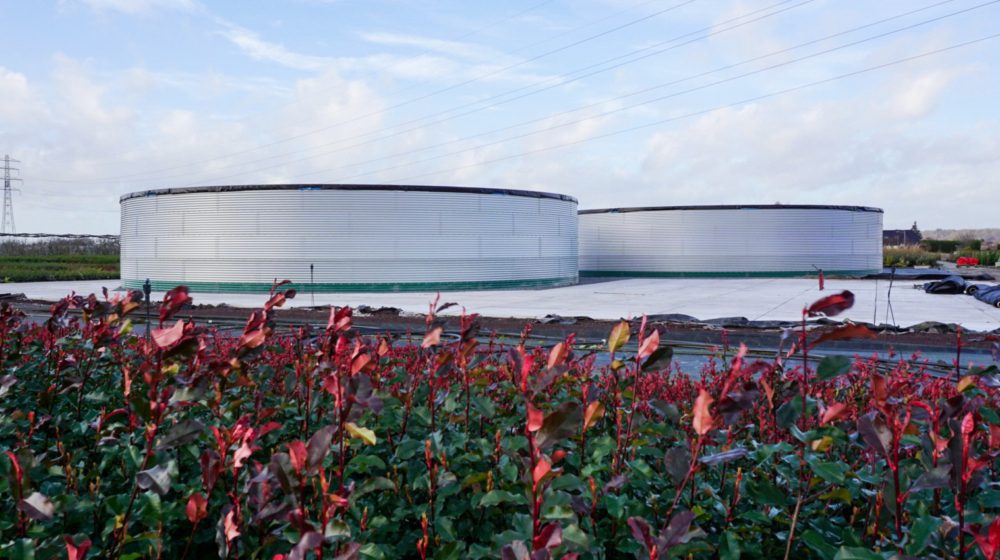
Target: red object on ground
967,261
821,280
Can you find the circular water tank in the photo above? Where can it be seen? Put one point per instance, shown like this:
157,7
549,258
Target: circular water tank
335,238
746,240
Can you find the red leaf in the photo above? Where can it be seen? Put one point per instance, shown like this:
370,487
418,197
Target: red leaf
832,305
641,532
253,339
594,411
18,473
535,418
836,411
76,551
990,542
703,420
359,363
542,468
309,541
241,454
432,338
173,301
165,338
267,428
557,355
649,345
879,392
968,424
297,454
340,319
232,529
549,537
845,332
197,507
383,347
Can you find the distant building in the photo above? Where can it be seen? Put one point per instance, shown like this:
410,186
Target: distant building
893,237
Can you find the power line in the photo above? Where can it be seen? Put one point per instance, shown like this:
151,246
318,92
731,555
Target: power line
491,102
647,90
410,101
7,222
707,111
634,93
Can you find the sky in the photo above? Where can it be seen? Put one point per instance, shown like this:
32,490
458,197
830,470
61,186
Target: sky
618,103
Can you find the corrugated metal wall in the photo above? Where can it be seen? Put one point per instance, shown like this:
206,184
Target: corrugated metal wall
762,241
378,239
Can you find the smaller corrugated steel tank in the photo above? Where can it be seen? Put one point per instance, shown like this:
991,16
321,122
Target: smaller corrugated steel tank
357,237
750,240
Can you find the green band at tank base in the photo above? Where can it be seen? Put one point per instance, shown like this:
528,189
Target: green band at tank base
728,274
360,287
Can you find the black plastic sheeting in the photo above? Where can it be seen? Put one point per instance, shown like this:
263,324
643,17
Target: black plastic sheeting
925,274
986,293
949,285
990,295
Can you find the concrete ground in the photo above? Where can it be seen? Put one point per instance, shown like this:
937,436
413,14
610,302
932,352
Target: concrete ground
753,298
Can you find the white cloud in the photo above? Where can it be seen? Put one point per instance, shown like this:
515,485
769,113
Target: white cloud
451,48
137,7
259,49
466,62
19,102
921,92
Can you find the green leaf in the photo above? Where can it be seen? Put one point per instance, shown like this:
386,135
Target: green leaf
371,551
619,336
921,532
729,548
616,505
763,491
408,448
842,494
336,530
374,484
829,471
497,497
445,529
575,537
818,543
659,359
789,412
21,549
937,477
856,553
450,551
833,366
485,406
366,463
182,432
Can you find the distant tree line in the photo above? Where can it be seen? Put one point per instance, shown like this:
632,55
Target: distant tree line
27,247
989,236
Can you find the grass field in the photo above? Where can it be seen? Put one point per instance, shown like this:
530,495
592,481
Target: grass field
57,267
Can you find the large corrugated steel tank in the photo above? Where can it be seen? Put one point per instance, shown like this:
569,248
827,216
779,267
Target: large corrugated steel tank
748,240
356,238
